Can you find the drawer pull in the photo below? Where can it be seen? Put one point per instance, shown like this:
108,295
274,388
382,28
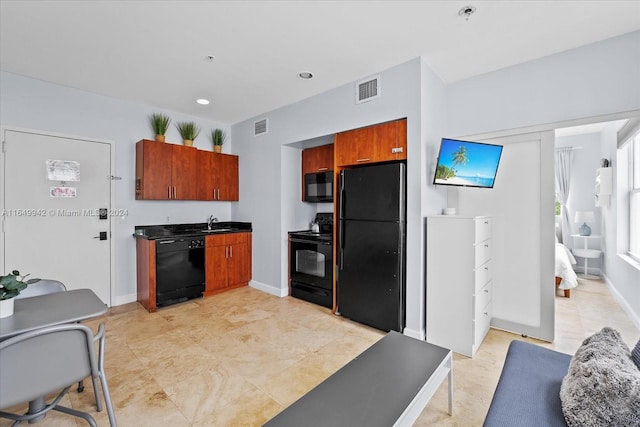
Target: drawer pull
486,245
486,222
486,290
486,314
397,150
486,268
362,160
323,169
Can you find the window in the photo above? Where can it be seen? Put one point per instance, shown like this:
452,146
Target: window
628,189
634,197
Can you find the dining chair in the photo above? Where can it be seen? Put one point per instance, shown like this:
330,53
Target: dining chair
49,286
48,360
42,287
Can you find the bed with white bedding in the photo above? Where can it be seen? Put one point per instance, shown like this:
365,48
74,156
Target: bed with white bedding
566,278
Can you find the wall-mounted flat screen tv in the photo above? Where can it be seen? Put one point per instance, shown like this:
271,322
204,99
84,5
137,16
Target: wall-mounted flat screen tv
467,164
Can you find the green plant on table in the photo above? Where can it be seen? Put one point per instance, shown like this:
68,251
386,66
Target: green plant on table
188,130
12,284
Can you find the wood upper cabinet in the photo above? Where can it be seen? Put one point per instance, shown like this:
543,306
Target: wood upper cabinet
372,144
315,160
175,172
227,262
165,171
217,176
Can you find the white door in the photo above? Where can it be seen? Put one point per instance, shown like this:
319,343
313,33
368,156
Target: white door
521,205
51,223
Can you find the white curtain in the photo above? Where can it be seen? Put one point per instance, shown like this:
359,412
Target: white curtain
564,158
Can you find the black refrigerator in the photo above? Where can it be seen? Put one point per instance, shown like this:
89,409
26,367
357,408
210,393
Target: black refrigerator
371,245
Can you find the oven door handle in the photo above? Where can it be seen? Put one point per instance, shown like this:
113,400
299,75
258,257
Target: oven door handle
294,239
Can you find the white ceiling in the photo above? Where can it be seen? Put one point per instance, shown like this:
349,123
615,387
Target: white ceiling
153,52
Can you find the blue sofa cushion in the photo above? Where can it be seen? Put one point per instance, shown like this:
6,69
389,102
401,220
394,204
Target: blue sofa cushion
528,391
602,386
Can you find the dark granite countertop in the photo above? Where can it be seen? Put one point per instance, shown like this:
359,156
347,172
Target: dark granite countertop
152,232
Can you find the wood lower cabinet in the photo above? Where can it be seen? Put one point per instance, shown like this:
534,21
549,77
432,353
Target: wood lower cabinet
372,144
227,262
217,177
165,171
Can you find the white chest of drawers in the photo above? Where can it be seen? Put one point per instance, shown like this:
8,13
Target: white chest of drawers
458,281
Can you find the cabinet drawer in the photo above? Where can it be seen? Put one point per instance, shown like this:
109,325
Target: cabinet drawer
483,229
482,276
225,239
483,252
482,298
482,324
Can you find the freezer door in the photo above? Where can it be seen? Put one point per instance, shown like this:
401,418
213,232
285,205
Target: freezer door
374,193
370,273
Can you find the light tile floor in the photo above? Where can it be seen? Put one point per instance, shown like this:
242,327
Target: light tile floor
239,358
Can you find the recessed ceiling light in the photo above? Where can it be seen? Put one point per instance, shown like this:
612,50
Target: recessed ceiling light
202,101
305,75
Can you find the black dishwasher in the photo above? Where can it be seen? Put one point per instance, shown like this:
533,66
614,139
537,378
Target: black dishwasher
179,270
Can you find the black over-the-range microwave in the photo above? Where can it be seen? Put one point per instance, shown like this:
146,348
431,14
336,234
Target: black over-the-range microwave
318,187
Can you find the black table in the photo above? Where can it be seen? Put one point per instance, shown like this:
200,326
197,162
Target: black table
389,384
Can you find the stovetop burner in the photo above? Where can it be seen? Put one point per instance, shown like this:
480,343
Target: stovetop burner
325,223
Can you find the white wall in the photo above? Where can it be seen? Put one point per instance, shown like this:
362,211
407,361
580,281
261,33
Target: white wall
268,203
620,274
600,79
37,105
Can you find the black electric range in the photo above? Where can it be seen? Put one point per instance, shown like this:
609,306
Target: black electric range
311,262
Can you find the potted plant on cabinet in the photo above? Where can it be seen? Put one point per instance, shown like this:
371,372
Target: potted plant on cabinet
160,124
10,287
188,131
218,137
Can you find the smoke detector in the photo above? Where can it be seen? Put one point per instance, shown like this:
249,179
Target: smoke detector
466,12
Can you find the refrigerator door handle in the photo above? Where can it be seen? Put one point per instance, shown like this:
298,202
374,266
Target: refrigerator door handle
342,197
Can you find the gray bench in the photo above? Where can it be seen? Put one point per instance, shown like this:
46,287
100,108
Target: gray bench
388,384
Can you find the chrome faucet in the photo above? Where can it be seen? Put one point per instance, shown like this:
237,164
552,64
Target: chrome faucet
212,219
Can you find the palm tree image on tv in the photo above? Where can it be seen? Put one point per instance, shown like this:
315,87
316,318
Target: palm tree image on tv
467,163
459,157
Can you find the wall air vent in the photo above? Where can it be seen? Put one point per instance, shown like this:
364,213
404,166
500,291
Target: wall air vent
260,127
367,90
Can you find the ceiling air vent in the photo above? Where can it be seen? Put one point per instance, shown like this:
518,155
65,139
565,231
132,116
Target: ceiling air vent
260,127
367,90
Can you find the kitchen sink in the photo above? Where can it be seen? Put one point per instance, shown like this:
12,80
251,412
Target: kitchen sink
216,230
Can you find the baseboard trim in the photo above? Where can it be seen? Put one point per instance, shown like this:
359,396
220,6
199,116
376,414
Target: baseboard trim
124,299
420,335
623,302
279,292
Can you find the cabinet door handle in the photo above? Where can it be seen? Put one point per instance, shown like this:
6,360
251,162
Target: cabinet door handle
218,193
226,251
397,150
230,251
486,291
175,193
486,245
323,169
363,160
168,192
